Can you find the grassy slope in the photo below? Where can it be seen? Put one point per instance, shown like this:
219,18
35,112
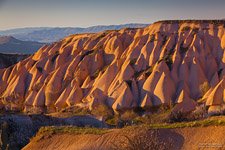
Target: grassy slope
214,121
183,132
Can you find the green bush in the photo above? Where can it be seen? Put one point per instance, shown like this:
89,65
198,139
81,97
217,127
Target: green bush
183,49
168,60
39,69
195,30
146,71
133,61
177,117
143,139
152,38
95,75
54,57
187,28
164,41
102,110
86,54
128,115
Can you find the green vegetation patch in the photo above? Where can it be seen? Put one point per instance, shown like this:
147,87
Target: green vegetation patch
88,52
183,49
199,123
39,69
49,131
146,71
54,56
72,129
95,75
187,28
215,22
168,60
133,61
152,38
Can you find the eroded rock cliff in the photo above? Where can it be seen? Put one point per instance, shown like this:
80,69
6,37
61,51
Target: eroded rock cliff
180,62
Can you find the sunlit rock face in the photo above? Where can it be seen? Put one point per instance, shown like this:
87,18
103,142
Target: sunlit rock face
180,62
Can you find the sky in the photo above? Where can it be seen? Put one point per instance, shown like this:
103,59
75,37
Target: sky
85,13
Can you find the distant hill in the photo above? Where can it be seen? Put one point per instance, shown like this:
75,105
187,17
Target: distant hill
51,34
11,45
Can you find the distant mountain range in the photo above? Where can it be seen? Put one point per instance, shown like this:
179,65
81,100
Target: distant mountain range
11,45
52,34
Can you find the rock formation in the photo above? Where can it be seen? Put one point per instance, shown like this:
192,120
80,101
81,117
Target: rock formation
180,62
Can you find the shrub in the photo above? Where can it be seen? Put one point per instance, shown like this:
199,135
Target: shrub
104,68
146,71
129,83
48,131
220,72
183,49
133,61
223,110
177,117
54,57
102,35
144,139
126,118
195,30
128,115
152,38
95,75
215,22
168,60
75,110
39,69
185,28
85,54
200,112
102,110
149,70
164,41
112,120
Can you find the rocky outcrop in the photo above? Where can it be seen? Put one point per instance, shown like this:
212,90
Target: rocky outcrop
166,62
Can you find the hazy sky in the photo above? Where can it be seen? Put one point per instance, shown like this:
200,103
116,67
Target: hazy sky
83,13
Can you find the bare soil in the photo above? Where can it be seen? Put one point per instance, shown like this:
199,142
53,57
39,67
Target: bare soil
191,138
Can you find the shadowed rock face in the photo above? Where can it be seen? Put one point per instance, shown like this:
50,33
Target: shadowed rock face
7,60
178,62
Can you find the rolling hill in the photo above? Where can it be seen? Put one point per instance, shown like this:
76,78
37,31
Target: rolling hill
11,45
